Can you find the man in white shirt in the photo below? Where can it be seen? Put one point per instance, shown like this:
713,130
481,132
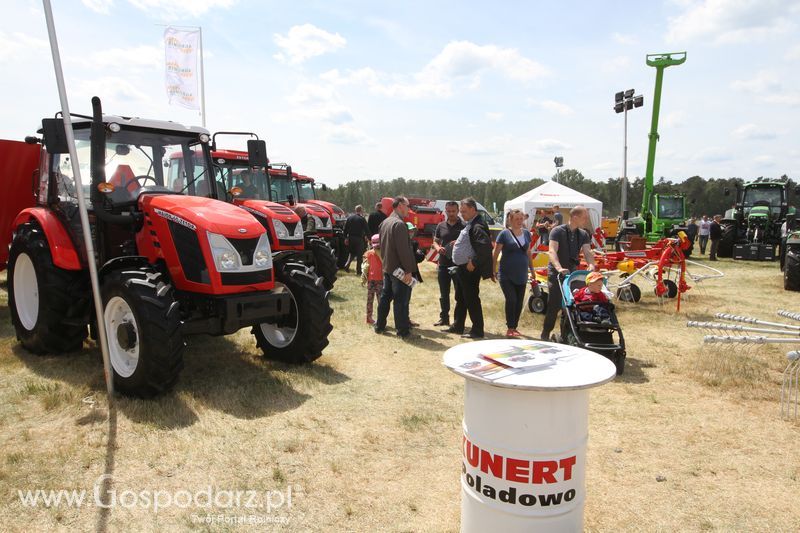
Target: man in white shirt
703,233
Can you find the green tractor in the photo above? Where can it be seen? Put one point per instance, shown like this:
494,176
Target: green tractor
751,229
662,215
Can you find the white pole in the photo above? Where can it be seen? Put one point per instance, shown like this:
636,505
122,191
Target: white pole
624,201
202,81
76,171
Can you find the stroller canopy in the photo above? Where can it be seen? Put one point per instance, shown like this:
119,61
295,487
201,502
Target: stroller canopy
549,193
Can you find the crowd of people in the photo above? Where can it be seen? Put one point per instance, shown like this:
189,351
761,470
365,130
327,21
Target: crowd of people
466,257
704,230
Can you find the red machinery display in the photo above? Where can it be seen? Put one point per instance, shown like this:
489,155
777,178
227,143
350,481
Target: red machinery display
423,214
18,164
172,260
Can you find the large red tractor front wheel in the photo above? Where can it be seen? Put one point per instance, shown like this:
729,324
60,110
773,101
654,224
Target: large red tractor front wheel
299,336
49,305
142,322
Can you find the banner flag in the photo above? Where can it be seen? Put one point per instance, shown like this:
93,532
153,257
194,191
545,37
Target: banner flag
181,76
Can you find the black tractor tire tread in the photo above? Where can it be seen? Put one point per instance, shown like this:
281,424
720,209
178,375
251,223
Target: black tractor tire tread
157,312
726,241
791,269
65,297
325,264
314,323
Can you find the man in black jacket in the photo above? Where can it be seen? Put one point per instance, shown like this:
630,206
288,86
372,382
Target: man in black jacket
472,253
374,220
355,238
715,234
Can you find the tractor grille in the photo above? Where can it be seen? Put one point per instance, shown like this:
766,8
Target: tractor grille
291,226
246,249
246,278
189,253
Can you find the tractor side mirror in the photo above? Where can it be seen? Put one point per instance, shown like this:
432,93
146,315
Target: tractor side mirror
726,191
55,138
324,187
257,153
290,199
797,191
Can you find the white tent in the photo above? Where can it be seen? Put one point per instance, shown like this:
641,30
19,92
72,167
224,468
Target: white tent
551,193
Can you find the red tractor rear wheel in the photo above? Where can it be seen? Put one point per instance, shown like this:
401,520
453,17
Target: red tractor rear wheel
49,305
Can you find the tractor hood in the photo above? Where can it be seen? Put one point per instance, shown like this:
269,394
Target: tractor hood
271,210
203,213
332,208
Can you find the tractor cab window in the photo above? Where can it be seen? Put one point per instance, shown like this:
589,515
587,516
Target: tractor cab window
766,196
281,188
139,161
252,182
671,208
305,191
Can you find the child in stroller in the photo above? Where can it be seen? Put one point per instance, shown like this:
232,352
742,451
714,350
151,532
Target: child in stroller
593,292
579,320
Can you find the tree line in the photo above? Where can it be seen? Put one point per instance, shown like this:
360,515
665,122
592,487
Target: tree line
703,195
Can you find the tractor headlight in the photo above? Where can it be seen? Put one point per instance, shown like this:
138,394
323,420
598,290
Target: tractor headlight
261,258
318,222
227,261
280,229
225,255
298,231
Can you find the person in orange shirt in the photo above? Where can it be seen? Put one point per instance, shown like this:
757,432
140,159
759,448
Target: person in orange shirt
372,275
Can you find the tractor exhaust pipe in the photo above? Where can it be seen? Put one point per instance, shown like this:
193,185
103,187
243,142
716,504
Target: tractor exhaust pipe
97,168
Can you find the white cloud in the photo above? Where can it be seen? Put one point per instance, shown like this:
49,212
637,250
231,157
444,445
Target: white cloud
347,134
604,166
490,146
317,102
143,56
731,21
460,64
785,99
177,9
713,154
14,46
494,116
621,38
675,119
304,42
116,92
616,64
752,132
99,6
793,53
765,160
552,106
763,82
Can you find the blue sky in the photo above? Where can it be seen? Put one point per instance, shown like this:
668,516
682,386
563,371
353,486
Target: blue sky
346,90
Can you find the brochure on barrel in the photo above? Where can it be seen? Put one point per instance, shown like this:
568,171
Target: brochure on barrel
525,356
512,360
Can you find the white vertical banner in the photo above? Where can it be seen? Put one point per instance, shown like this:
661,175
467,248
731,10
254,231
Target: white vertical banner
181,76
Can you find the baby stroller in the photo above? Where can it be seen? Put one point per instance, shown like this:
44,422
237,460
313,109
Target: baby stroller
592,335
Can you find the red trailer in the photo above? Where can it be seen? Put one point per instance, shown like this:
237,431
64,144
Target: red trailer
18,163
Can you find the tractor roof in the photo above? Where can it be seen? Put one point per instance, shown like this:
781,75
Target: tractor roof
145,123
768,182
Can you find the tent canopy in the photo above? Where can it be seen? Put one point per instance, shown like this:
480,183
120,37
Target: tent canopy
551,193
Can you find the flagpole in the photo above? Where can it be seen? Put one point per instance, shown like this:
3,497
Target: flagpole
76,173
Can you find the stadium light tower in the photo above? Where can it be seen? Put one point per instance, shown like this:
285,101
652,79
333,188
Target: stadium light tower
623,102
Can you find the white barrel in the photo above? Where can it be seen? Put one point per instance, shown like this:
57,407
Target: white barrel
525,433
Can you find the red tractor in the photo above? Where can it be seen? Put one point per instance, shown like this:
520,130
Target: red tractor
306,193
172,260
250,187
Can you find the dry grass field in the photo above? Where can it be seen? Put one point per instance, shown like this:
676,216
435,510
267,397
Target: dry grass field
368,437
